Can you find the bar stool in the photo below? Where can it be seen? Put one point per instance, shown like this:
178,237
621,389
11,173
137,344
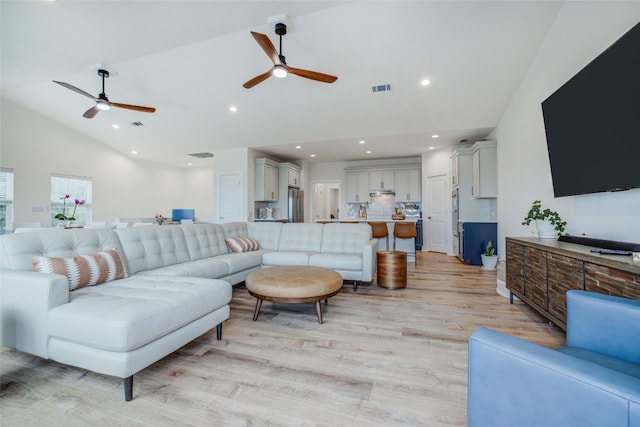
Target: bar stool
405,230
380,230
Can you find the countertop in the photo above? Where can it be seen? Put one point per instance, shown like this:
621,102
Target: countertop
368,220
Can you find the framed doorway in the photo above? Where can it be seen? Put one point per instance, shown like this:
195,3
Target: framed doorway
325,201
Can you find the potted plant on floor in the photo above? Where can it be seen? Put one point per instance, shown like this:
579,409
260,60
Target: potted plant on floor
489,257
548,222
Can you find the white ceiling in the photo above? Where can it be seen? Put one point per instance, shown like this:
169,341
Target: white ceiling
189,60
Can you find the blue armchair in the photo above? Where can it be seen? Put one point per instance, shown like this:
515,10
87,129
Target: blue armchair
593,381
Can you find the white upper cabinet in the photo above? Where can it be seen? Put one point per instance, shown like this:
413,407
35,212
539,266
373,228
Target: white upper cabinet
382,180
293,173
357,187
485,170
408,185
266,180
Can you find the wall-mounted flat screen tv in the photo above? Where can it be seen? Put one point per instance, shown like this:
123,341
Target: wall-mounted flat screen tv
178,215
592,123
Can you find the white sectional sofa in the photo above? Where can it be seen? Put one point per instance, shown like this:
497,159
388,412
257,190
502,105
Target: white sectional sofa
178,286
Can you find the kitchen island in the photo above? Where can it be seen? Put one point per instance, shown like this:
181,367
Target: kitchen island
402,244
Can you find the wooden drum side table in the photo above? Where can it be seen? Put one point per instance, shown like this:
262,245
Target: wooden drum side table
392,269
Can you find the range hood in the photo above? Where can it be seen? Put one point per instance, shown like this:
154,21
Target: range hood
382,192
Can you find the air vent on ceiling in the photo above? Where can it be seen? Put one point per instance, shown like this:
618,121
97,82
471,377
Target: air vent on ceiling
202,155
137,124
380,88
463,140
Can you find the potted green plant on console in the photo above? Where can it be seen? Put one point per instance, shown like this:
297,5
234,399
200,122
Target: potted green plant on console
489,257
548,222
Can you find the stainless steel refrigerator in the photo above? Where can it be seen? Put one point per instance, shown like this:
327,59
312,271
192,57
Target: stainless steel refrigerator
295,206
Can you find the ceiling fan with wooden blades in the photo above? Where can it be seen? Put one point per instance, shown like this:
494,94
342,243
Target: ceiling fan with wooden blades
102,102
280,67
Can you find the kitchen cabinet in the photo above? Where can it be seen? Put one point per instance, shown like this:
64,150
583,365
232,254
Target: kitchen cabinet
470,208
473,238
292,174
266,180
541,271
408,188
455,166
461,166
485,170
382,180
357,187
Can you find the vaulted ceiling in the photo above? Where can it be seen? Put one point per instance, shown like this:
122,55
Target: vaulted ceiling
189,59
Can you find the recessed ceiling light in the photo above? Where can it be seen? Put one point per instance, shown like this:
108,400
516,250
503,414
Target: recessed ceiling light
233,108
362,141
431,148
134,152
425,82
312,155
435,135
298,147
189,164
115,126
368,152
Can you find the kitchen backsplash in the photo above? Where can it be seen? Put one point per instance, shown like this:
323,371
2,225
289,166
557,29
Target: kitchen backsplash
380,207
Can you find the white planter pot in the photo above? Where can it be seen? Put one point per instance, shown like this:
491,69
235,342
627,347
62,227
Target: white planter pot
489,262
546,230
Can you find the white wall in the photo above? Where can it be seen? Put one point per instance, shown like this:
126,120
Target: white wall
198,191
35,147
582,31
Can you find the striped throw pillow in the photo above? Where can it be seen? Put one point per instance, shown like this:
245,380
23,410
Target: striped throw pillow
83,270
242,244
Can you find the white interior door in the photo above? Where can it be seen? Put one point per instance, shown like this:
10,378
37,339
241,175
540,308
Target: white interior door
325,200
435,222
230,197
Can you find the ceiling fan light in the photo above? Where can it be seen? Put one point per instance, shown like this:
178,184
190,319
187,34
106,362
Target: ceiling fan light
101,104
279,71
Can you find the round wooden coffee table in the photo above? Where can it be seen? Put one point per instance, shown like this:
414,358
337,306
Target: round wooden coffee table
293,284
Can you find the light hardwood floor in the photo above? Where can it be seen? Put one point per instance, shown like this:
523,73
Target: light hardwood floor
382,358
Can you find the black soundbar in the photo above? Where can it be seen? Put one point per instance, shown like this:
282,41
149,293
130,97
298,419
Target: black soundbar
601,243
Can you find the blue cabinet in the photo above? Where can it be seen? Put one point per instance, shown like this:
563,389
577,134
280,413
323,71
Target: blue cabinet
473,239
419,240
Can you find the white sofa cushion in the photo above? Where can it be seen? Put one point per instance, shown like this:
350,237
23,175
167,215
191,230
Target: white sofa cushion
17,249
266,233
208,268
305,237
204,240
127,314
286,258
234,229
237,262
146,248
345,238
337,261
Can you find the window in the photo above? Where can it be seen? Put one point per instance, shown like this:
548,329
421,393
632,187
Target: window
6,199
78,189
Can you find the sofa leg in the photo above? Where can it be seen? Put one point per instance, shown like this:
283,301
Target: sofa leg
355,285
219,331
128,388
